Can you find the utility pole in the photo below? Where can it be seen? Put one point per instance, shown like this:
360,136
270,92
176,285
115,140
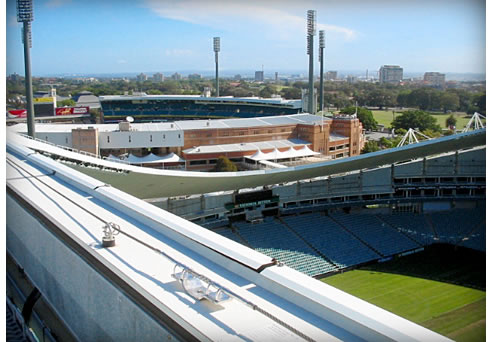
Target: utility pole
25,16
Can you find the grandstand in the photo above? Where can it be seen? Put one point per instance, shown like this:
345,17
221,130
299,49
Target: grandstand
148,108
317,244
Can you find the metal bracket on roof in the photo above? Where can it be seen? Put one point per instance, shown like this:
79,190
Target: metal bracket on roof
110,230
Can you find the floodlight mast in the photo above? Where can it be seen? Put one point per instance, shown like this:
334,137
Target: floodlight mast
25,16
311,32
216,50
321,56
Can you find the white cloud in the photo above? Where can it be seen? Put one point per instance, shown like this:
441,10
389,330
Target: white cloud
270,16
121,61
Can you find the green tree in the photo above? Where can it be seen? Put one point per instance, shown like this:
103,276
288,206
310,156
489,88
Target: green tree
449,101
416,119
370,146
267,91
364,115
66,103
451,121
224,165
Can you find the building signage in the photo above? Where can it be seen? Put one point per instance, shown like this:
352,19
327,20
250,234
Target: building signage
20,113
230,206
43,99
71,110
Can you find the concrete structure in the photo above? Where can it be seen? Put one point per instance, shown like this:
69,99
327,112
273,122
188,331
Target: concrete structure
141,77
331,75
158,77
165,277
390,74
259,76
435,79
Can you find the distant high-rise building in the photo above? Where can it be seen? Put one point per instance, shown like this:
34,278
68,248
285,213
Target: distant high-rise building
14,77
141,77
351,79
158,77
194,76
176,76
390,74
331,75
237,77
259,76
435,79
276,76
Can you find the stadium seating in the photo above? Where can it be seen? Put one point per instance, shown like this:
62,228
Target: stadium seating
274,239
316,244
331,240
414,225
190,108
452,227
376,233
476,240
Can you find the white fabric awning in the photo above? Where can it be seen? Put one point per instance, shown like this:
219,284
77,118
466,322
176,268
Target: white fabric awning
153,159
290,153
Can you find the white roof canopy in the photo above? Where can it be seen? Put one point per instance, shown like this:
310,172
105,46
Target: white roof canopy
154,159
290,153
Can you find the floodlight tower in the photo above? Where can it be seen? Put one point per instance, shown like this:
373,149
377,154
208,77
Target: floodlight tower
321,55
25,16
216,50
311,32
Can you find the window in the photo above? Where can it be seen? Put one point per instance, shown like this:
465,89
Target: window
198,162
179,136
163,136
108,138
151,138
129,138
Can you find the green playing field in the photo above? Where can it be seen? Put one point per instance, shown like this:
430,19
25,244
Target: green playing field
455,311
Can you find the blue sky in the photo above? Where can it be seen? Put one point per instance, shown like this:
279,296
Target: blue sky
109,36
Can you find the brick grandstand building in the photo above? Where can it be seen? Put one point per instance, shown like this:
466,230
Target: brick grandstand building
201,142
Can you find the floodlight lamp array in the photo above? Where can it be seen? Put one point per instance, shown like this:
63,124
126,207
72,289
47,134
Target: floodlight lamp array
216,44
311,22
322,39
24,11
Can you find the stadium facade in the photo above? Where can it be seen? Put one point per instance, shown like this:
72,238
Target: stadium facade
151,108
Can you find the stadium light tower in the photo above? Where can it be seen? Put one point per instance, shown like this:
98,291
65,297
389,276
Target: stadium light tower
216,50
321,55
311,32
25,16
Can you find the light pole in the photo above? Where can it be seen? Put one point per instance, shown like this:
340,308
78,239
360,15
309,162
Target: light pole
216,50
25,16
311,32
321,55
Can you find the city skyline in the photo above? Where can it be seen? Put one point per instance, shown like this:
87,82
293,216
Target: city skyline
75,37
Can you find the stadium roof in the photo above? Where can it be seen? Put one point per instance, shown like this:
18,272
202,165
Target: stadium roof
294,119
224,99
267,301
153,183
254,146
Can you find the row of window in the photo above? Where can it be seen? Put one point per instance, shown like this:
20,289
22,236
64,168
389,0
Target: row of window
108,138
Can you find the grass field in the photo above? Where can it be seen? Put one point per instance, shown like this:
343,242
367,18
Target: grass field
385,118
409,290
